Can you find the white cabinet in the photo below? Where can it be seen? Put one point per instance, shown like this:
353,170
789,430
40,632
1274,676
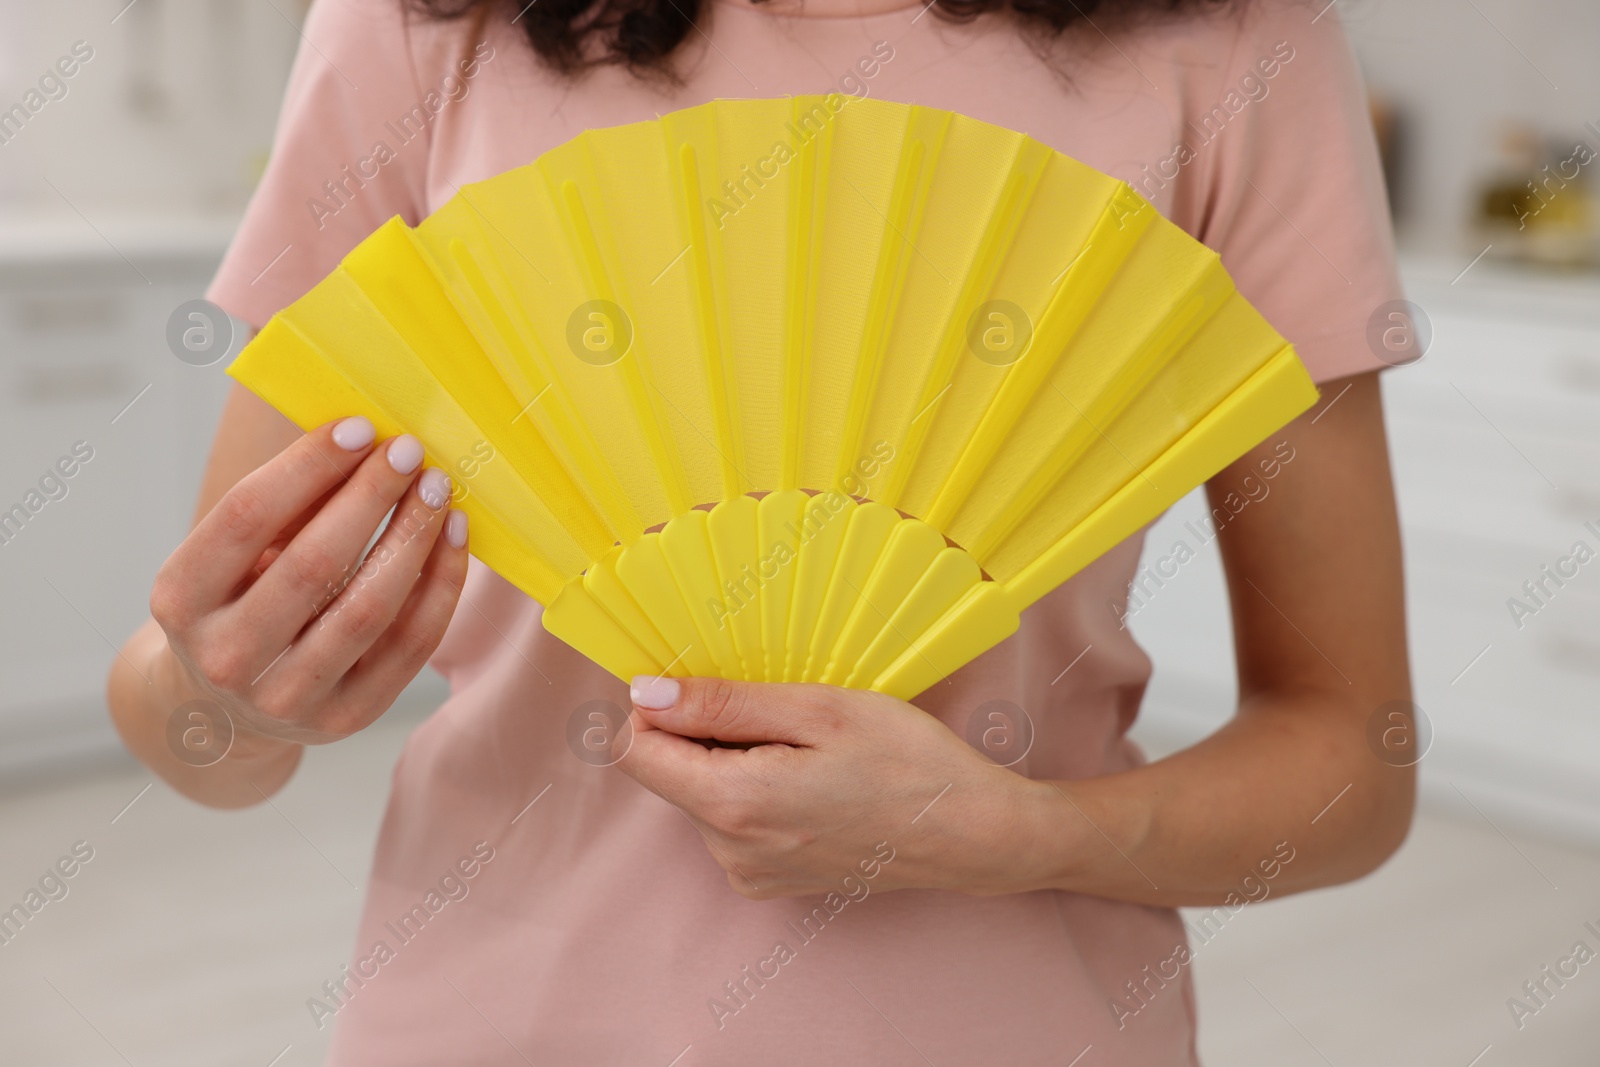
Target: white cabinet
82,337
1496,443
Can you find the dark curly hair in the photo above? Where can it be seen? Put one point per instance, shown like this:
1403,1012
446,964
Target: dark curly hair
572,36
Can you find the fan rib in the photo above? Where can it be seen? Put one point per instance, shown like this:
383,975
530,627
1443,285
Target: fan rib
687,547
550,402
602,582
578,618
799,296
439,339
1120,227
719,370
982,618
905,557
946,580
1202,300
904,220
458,276
821,535
864,538
1026,169
735,603
610,508
776,515
1270,397
632,365
644,570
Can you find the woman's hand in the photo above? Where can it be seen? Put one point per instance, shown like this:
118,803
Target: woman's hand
279,612
837,783
275,608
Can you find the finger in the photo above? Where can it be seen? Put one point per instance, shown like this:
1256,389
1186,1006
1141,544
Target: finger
675,768
227,543
368,604
714,788
693,780
396,657
762,712
293,527
315,565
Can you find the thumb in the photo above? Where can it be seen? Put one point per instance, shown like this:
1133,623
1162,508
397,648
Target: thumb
728,710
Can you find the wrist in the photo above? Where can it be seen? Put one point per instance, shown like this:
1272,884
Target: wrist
1059,849
172,686
1096,838
1024,843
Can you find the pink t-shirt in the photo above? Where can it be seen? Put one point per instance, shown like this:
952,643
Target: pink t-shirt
593,927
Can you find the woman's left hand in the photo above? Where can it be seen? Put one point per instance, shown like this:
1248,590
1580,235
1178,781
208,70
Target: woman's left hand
834,783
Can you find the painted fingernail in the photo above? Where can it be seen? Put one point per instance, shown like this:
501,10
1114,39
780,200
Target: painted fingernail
405,454
655,693
455,529
433,487
354,434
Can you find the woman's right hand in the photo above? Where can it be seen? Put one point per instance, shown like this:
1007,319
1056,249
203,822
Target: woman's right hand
275,609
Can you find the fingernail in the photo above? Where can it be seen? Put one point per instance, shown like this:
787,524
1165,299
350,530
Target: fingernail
657,694
405,454
455,529
434,488
354,434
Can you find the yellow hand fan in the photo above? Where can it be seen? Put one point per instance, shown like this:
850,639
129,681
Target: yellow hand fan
810,389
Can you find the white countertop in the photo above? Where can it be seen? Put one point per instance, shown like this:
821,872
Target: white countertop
39,238
1499,287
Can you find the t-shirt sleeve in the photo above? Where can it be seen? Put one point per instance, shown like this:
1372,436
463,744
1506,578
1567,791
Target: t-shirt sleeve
1292,195
345,158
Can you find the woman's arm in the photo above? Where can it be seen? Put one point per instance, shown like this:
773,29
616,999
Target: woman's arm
1314,574
1314,578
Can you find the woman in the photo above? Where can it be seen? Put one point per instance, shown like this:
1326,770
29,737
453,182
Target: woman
846,880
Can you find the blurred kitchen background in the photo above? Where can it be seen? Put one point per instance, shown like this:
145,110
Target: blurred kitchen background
194,937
